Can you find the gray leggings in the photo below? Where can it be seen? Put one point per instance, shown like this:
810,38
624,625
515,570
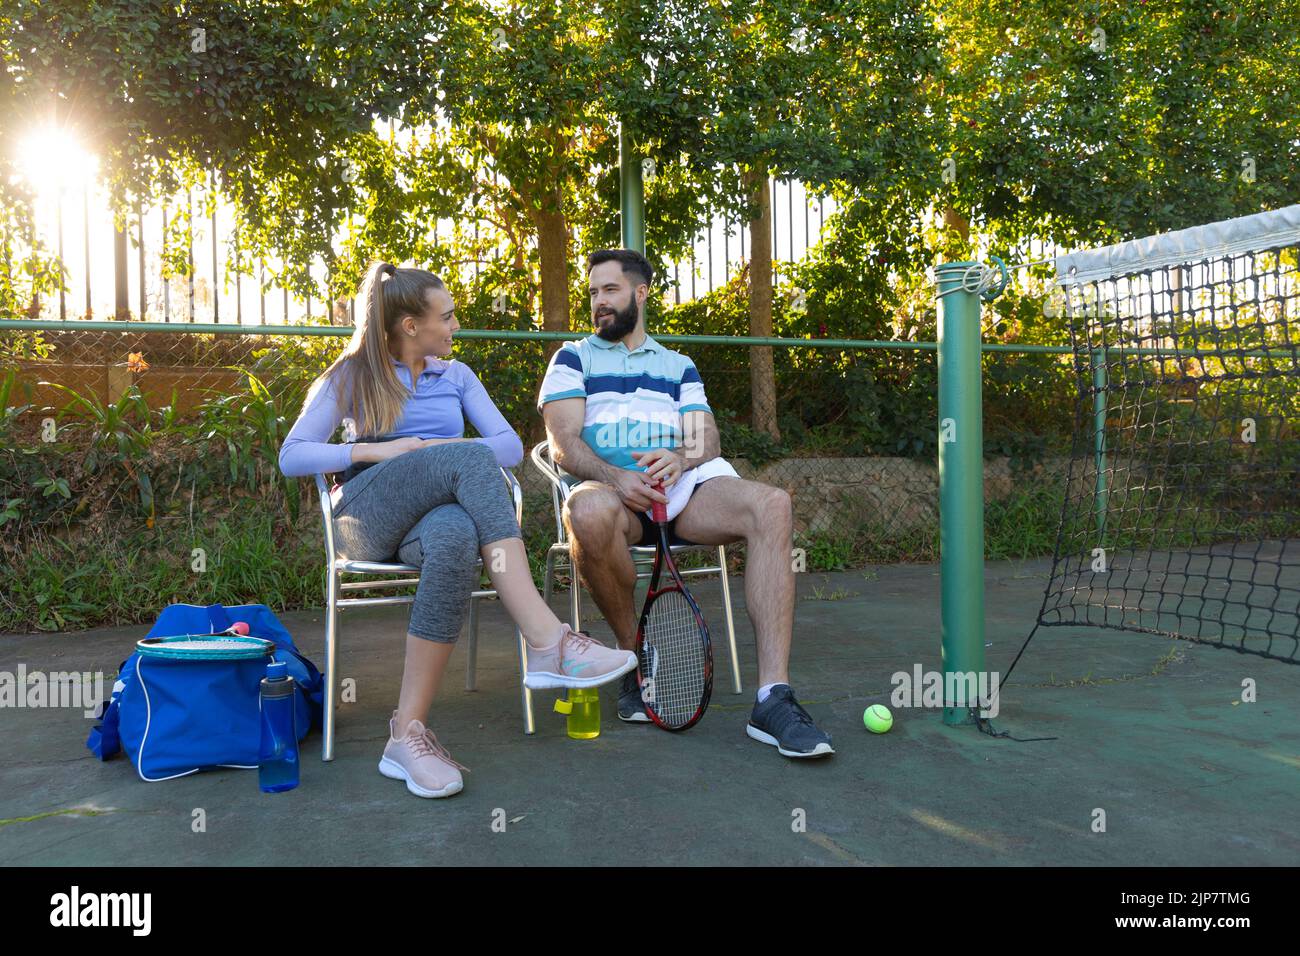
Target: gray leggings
434,507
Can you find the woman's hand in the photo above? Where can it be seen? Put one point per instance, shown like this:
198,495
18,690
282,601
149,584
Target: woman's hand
384,450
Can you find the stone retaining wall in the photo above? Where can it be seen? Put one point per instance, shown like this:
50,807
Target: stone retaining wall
897,493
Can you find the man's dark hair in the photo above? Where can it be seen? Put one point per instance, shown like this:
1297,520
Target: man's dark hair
633,263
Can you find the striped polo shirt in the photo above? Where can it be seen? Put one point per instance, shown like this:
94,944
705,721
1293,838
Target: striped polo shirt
635,399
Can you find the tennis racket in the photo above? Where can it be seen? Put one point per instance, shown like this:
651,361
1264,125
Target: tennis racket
674,656
230,645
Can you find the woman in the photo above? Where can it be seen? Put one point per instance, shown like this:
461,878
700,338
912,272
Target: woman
432,498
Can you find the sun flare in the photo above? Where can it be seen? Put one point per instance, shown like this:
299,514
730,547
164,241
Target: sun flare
55,158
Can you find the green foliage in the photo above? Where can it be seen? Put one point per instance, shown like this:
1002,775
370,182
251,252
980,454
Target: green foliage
57,590
809,89
120,433
828,550
265,95
1110,119
1023,524
27,270
875,401
741,441
10,411
118,430
514,113
115,575
252,424
514,110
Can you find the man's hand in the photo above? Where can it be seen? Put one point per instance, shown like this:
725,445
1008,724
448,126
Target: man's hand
636,489
661,464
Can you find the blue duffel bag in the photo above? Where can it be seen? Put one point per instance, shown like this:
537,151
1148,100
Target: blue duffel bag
177,717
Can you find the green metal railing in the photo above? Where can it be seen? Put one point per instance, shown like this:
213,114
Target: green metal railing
539,335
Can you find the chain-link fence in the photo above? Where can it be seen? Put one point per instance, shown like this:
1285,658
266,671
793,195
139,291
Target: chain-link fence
174,436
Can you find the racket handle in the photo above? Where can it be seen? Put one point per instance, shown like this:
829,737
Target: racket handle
657,508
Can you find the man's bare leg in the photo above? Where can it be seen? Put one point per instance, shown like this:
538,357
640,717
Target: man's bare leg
721,510
601,529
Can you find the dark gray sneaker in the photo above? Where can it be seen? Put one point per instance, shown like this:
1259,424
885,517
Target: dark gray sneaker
781,722
630,705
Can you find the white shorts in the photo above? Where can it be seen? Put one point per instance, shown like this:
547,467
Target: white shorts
680,491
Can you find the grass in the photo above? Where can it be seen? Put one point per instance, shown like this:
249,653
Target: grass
110,576
113,569
1174,655
820,593
1024,524
73,811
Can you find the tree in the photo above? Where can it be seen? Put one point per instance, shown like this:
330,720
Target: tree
814,91
263,95
518,92
1115,120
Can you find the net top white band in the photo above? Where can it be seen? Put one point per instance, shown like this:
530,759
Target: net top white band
1264,230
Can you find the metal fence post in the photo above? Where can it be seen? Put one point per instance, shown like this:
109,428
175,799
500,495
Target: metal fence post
631,194
1100,380
961,490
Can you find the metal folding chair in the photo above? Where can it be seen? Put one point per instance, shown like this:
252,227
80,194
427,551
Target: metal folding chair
400,576
642,556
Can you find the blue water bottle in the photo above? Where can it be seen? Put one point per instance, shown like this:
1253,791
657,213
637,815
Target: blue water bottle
277,763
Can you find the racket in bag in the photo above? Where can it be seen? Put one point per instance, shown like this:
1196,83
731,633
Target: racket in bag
176,717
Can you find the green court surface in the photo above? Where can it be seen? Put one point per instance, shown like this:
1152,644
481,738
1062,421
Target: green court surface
1150,730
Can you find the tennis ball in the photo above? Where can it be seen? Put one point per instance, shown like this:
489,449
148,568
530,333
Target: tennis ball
877,718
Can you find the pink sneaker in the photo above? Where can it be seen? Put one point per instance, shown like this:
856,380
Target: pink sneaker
421,761
575,660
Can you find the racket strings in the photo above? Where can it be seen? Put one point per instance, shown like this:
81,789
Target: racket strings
207,645
673,656
203,647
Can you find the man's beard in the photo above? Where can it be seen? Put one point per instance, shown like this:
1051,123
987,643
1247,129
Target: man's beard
623,322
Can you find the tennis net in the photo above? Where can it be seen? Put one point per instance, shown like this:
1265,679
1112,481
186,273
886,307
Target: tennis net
1182,508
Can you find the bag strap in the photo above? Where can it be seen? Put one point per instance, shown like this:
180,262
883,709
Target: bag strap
314,676
104,740
218,617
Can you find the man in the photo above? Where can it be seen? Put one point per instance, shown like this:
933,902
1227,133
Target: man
622,412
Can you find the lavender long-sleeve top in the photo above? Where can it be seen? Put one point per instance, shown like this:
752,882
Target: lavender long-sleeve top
447,393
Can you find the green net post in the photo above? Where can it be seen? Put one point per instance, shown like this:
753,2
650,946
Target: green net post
1099,382
961,491
631,194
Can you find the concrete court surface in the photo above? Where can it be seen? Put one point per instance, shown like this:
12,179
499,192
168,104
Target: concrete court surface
1146,730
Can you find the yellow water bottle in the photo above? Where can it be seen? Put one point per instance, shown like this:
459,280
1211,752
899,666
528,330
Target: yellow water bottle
583,710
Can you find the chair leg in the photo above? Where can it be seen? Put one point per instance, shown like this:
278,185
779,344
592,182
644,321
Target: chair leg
525,694
331,662
548,579
575,596
731,624
471,652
